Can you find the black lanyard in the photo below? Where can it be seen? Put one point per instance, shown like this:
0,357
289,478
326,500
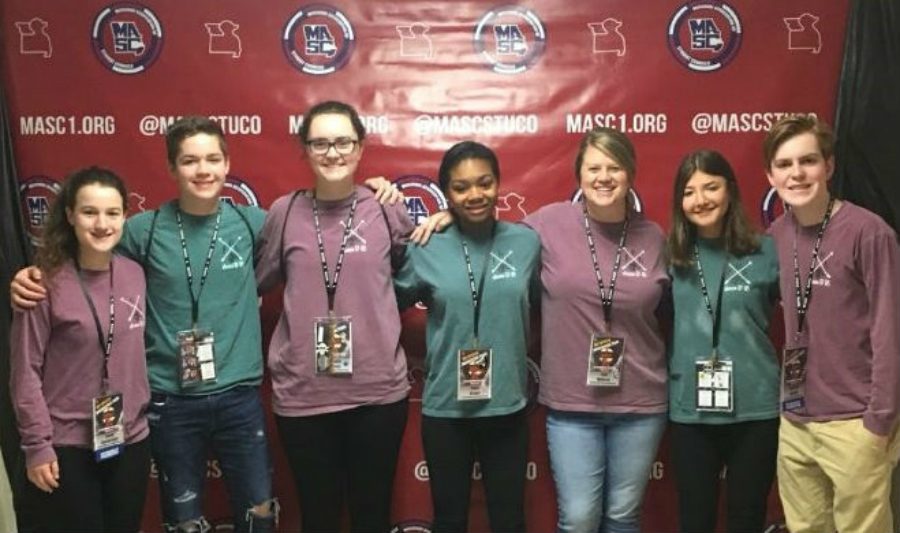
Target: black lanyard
802,298
715,315
195,300
606,298
332,284
478,293
105,344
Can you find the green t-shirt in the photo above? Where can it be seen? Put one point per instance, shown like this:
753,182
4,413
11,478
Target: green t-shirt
748,298
227,304
436,274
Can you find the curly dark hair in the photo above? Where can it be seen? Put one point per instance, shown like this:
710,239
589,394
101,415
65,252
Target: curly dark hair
59,243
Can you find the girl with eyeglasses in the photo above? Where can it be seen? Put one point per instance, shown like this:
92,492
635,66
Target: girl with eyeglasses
339,378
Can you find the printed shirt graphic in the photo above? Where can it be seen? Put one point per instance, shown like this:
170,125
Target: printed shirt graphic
633,262
228,303
748,300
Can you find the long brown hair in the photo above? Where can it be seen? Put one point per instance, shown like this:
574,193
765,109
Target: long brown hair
59,243
738,234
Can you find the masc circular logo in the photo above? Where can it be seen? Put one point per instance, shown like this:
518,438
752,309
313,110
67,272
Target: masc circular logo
126,37
633,199
705,35
772,207
510,39
238,191
36,195
423,197
318,39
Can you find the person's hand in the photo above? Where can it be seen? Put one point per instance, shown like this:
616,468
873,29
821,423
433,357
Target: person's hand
386,193
45,476
27,288
435,223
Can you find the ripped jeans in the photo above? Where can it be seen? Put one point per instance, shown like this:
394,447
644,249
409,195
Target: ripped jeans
183,429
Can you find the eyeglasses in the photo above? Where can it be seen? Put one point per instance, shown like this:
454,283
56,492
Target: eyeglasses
341,145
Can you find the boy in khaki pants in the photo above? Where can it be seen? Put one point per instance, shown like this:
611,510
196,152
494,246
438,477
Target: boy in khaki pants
840,284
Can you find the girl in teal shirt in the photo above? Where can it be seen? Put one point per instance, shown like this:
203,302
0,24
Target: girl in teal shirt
476,279
723,371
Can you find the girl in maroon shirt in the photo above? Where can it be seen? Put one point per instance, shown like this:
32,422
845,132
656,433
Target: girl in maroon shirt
78,373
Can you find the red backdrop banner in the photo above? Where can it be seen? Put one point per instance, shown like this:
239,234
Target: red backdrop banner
95,82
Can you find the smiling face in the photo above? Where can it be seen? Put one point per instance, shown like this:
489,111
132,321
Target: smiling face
336,131
96,219
472,191
200,169
604,182
800,173
705,202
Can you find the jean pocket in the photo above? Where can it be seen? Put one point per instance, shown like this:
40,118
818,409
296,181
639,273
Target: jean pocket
157,407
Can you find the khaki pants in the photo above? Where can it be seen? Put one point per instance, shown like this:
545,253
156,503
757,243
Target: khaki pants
895,496
7,515
835,475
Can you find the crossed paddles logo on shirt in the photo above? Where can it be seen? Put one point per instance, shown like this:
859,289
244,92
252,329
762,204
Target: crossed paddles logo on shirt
135,313
821,276
231,257
633,263
355,240
736,279
501,267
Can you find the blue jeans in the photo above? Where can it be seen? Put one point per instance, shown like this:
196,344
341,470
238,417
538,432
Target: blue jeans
231,423
601,465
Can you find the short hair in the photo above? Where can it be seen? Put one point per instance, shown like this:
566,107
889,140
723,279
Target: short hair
188,126
59,243
463,151
738,234
789,127
611,142
331,107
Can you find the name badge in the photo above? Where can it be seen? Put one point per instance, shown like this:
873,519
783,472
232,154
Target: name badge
108,426
715,379
605,360
474,374
196,357
793,379
333,346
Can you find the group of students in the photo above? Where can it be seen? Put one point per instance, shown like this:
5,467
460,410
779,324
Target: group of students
604,280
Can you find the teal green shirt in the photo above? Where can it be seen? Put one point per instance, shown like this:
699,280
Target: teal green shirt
750,293
436,274
228,304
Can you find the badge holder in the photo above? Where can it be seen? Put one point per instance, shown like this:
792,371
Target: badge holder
715,380
605,360
196,357
474,374
793,379
108,425
333,346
